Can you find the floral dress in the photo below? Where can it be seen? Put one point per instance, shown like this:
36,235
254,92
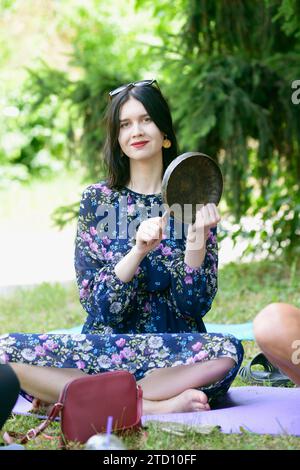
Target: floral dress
153,321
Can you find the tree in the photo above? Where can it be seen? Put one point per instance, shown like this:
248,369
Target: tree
229,72
227,69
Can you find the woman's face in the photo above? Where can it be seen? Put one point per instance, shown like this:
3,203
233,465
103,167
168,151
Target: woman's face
139,137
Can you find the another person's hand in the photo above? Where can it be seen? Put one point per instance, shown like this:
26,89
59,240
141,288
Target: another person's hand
207,217
150,234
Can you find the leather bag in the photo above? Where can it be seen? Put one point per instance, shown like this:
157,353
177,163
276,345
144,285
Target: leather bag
86,403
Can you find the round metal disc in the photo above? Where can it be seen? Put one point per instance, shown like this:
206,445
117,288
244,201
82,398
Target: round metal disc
192,179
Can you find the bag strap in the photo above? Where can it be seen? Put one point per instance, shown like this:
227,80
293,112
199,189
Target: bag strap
9,437
139,403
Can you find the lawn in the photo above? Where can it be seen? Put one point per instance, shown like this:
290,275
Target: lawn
50,306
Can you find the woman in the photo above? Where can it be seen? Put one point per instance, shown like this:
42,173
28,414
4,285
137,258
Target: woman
145,292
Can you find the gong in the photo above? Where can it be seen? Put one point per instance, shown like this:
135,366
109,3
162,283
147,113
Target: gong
191,180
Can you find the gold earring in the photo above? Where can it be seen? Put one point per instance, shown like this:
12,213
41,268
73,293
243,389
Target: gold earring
166,143
122,153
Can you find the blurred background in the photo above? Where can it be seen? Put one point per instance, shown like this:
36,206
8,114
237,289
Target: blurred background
229,72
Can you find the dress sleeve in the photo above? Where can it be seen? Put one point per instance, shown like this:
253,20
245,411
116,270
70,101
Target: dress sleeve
102,294
193,289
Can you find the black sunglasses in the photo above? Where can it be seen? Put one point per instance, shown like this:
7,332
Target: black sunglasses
131,85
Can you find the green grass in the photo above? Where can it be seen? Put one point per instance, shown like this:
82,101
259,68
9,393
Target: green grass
243,291
43,308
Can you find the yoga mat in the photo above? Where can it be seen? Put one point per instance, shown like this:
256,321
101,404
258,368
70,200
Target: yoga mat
23,407
261,410
242,331
68,331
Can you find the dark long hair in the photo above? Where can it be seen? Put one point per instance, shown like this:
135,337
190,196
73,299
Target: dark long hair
118,168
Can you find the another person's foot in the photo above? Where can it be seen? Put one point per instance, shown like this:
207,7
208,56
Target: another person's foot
189,400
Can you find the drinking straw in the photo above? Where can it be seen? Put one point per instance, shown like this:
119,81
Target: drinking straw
108,429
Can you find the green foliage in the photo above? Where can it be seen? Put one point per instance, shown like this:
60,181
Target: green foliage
289,11
232,97
32,148
102,60
65,214
226,69
7,5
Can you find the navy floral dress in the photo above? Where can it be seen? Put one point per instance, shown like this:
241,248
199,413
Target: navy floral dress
153,321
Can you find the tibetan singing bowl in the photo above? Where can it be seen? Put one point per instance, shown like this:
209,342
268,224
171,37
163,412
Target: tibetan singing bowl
191,180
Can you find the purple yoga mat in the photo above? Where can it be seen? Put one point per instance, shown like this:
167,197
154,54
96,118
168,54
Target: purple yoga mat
261,410
23,407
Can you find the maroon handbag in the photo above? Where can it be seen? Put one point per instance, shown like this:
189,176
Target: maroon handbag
86,403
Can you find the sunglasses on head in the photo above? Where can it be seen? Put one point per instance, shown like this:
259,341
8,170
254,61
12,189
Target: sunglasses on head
128,86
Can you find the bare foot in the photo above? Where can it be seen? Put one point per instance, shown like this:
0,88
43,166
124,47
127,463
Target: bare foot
189,400
40,407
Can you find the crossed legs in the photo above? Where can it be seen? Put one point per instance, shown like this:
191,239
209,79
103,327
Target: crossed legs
277,333
165,390
174,389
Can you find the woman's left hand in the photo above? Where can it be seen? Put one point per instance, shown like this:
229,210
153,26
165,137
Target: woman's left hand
207,217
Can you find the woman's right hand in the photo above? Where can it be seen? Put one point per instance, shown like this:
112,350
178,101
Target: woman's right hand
150,234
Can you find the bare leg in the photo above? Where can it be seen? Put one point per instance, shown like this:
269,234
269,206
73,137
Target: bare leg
168,382
165,390
277,333
172,389
45,383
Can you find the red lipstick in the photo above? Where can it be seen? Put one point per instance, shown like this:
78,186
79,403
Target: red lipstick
140,144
